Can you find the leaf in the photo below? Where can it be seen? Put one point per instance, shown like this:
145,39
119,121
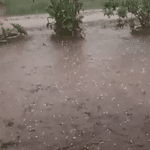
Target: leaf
64,15
10,31
67,18
19,28
61,6
80,21
81,17
55,4
50,11
49,7
69,8
78,6
47,25
3,31
50,25
6,32
70,25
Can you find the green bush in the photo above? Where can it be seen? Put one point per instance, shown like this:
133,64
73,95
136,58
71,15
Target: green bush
67,21
111,4
143,14
122,12
139,9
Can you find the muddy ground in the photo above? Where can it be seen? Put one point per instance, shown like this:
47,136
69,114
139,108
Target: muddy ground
80,94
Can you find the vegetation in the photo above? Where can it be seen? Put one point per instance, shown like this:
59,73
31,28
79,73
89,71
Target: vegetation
66,16
111,4
140,11
23,7
16,31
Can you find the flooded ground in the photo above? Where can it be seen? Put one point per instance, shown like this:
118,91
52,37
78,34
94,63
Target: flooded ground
76,94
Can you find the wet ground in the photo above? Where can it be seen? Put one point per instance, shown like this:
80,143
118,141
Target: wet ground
76,94
38,20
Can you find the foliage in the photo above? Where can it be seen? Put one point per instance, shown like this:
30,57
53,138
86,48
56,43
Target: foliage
109,7
140,11
6,32
130,5
121,23
143,13
111,4
24,7
19,28
122,12
65,13
109,13
132,23
11,33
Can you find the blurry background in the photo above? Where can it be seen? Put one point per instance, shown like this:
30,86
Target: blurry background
22,7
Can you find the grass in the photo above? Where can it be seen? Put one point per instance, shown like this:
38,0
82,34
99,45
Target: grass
24,7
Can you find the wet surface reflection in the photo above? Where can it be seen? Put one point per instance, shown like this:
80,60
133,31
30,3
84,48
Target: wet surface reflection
75,94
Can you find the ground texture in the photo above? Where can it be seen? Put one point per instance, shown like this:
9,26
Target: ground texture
76,94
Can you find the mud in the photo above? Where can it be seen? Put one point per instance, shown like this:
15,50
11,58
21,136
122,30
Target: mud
76,94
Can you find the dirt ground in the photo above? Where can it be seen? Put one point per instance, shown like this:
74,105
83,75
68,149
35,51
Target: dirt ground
76,94
40,20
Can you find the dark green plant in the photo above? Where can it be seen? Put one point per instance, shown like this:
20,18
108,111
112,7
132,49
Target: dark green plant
65,13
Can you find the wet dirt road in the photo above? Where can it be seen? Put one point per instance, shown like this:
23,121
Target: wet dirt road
76,94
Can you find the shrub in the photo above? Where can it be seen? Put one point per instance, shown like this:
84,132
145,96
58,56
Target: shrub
122,12
111,4
67,21
143,13
140,11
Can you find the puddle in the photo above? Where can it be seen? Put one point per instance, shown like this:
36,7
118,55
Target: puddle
75,94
